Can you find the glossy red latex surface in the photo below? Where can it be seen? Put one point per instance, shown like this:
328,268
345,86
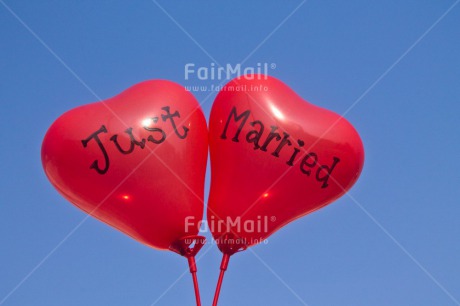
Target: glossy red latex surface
136,162
259,182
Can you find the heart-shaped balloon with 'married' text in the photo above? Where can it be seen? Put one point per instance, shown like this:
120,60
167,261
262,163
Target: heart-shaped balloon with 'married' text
135,161
274,158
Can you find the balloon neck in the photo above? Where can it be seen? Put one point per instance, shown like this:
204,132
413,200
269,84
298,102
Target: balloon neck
188,247
224,262
192,264
230,244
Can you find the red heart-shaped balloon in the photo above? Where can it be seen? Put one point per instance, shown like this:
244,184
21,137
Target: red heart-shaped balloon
135,161
274,158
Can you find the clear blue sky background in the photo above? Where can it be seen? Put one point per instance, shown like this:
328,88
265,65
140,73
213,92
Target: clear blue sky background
397,245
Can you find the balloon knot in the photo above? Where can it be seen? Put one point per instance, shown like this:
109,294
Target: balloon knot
188,246
230,244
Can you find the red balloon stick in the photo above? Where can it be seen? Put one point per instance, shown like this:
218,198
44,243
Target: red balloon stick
188,247
228,244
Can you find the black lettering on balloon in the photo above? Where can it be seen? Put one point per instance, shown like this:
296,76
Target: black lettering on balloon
244,117
311,164
95,164
171,117
284,141
157,130
254,136
133,142
308,164
157,136
270,138
327,170
157,141
290,162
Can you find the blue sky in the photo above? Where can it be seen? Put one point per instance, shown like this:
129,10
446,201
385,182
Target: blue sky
394,241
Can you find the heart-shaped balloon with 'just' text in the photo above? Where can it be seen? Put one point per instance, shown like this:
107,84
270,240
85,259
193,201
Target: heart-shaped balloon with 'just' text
135,161
274,158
